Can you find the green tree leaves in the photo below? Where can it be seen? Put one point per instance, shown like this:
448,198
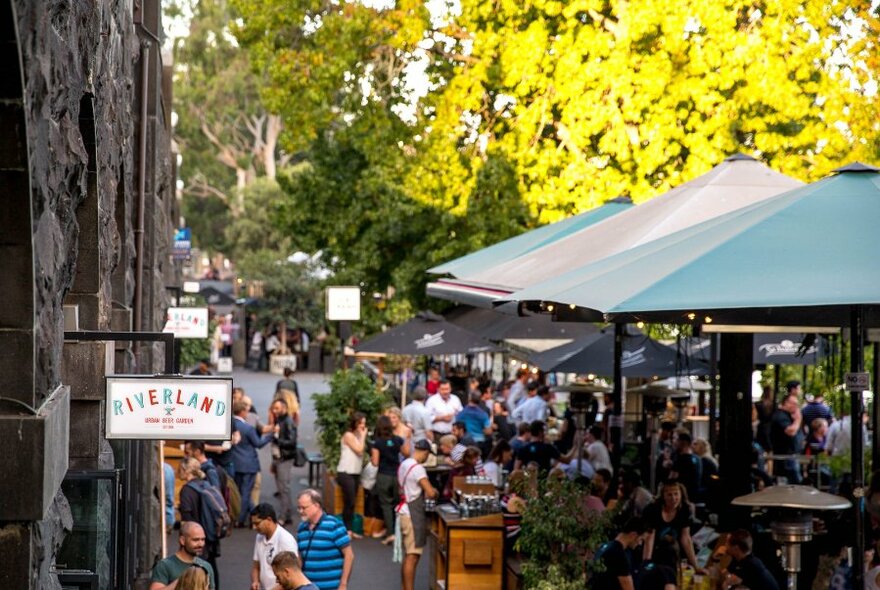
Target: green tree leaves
527,112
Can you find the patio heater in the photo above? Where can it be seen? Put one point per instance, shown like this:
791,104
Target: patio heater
655,399
791,510
581,399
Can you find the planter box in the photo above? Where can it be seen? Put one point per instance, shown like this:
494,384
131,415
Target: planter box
333,496
279,362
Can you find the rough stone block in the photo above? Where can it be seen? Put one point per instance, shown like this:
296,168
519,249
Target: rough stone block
85,431
15,550
84,365
40,470
89,310
121,321
17,365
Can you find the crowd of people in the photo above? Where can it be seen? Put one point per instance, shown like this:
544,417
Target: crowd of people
498,432
800,426
221,490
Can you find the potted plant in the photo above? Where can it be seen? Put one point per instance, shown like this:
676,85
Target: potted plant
350,391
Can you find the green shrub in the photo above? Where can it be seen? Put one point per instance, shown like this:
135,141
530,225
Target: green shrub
559,537
350,391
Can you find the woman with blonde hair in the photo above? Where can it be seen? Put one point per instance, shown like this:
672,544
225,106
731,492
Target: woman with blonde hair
193,578
399,427
709,463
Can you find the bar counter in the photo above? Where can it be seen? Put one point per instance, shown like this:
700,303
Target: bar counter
465,553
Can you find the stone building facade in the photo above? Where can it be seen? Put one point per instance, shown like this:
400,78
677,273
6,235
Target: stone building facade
86,220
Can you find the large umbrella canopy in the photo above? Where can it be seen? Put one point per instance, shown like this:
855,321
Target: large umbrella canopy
428,334
476,262
496,326
642,357
799,258
464,290
737,182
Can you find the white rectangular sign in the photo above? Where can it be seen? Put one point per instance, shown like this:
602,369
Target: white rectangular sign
343,304
143,407
858,381
187,322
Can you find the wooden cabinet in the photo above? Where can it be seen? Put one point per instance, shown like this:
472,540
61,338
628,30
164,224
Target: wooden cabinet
466,553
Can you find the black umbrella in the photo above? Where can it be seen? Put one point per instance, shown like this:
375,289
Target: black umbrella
427,333
642,357
216,297
493,325
786,349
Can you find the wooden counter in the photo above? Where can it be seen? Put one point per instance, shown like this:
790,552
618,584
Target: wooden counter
466,553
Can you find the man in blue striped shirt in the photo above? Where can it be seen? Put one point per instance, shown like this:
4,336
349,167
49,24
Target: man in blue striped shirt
324,545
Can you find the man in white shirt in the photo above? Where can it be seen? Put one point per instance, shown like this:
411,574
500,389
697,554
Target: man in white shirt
413,480
272,539
597,452
536,407
418,417
443,407
517,390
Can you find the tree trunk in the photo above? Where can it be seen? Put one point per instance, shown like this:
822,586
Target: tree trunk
273,130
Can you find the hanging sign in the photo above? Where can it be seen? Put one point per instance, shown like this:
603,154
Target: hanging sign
182,247
187,322
143,407
343,304
858,381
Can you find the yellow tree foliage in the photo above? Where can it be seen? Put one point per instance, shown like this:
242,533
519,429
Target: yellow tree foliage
591,99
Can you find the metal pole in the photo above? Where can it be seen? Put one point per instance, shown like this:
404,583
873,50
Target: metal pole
713,394
857,362
163,522
875,411
615,422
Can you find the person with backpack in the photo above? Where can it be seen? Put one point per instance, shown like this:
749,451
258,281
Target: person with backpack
202,503
216,475
284,457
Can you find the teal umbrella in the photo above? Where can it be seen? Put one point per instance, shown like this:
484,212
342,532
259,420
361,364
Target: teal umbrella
475,262
801,257
737,182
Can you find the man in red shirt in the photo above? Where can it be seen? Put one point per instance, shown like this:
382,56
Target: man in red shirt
433,383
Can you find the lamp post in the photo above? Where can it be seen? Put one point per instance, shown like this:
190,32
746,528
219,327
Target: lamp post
655,399
791,509
581,401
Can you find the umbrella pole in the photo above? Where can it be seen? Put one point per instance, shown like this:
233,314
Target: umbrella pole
403,386
713,394
857,361
615,421
875,411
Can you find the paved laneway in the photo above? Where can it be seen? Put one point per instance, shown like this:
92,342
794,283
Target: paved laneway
373,568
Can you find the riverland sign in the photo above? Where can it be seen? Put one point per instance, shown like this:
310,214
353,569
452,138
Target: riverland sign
143,407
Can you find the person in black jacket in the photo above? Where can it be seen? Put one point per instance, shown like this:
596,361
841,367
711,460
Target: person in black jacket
283,457
745,569
191,510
